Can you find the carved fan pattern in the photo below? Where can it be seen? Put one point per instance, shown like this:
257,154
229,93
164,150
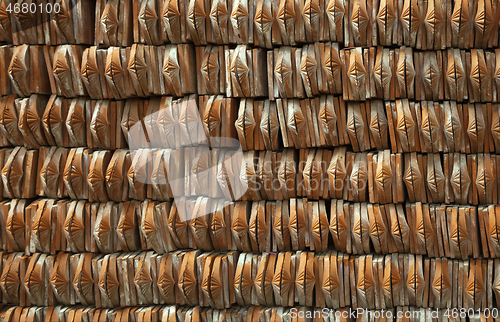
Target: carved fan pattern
216,285
308,67
485,180
249,124
415,281
196,15
240,227
90,71
5,18
386,15
218,225
200,228
148,16
391,280
357,229
452,126
74,229
114,71
59,281
62,69
430,73
25,19
114,178
430,126
382,73
10,282
18,70
434,20
455,74
239,15
171,13
475,76
246,281
109,286
84,283
365,284
102,231
331,283
219,13
356,73
355,126
378,123
283,71
406,126
76,120
337,170
263,19
171,68
383,176
311,12
42,226
405,72
143,281
150,229
64,20
296,122
50,173
286,14
496,286
412,177
287,281
435,181
333,64
327,119
16,173
34,282
166,283
210,69
15,225
494,231
187,282
109,19
99,124
76,174
11,122
358,176
484,19
127,226
359,18
460,180
34,120
239,71
495,129
476,128
96,180
460,18
138,68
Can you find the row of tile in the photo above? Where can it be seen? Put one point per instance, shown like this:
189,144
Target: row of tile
49,226
286,72
221,280
217,121
159,174
419,24
159,313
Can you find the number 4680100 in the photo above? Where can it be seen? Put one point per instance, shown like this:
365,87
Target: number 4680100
33,8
